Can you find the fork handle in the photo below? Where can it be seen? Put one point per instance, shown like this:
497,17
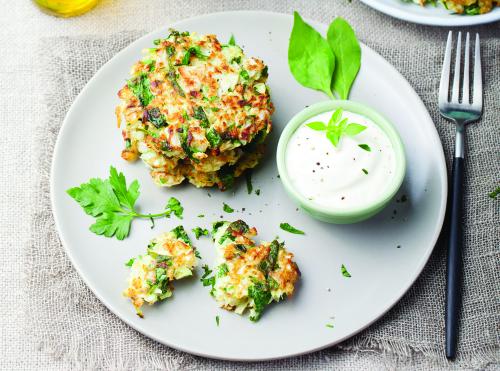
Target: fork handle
454,257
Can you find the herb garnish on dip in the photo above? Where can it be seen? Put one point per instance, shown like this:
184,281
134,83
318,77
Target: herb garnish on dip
340,159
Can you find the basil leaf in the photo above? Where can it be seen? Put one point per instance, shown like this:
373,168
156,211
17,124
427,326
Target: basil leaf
347,53
310,58
354,129
317,125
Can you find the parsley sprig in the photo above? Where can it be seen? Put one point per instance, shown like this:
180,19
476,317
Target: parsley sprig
337,127
112,203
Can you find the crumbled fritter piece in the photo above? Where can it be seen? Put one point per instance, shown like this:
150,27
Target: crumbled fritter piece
169,257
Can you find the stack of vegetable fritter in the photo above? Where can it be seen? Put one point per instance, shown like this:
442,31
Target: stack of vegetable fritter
196,109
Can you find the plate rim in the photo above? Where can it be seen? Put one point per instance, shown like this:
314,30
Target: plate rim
431,20
390,304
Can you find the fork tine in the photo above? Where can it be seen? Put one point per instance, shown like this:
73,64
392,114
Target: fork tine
444,85
465,86
456,73
477,92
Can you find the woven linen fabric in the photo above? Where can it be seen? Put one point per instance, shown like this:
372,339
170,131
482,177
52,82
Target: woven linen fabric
65,319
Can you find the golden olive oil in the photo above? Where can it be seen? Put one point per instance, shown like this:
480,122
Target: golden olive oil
66,8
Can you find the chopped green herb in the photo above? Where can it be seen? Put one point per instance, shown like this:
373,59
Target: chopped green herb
197,254
495,193
112,203
344,271
130,262
261,296
181,234
227,208
366,147
140,86
213,137
193,50
223,270
287,227
217,320
248,177
232,41
257,192
172,77
365,171
329,325
199,114
174,206
206,280
156,118
198,232
244,74
201,216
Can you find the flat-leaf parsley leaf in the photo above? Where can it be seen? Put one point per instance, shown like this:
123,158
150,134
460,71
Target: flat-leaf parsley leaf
112,203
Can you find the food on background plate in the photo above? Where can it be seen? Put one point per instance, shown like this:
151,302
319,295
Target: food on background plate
340,159
169,257
468,7
249,276
196,109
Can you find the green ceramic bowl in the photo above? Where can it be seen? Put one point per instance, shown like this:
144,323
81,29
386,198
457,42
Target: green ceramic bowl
330,214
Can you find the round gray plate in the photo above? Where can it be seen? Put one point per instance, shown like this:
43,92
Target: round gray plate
89,142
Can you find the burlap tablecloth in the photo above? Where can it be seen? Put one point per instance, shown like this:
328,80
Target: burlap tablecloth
64,325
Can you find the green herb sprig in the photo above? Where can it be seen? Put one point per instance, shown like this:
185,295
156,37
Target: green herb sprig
336,127
112,203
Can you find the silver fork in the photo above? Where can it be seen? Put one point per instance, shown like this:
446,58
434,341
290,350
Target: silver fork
461,112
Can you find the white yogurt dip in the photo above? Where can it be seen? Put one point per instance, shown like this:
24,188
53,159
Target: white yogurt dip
342,177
